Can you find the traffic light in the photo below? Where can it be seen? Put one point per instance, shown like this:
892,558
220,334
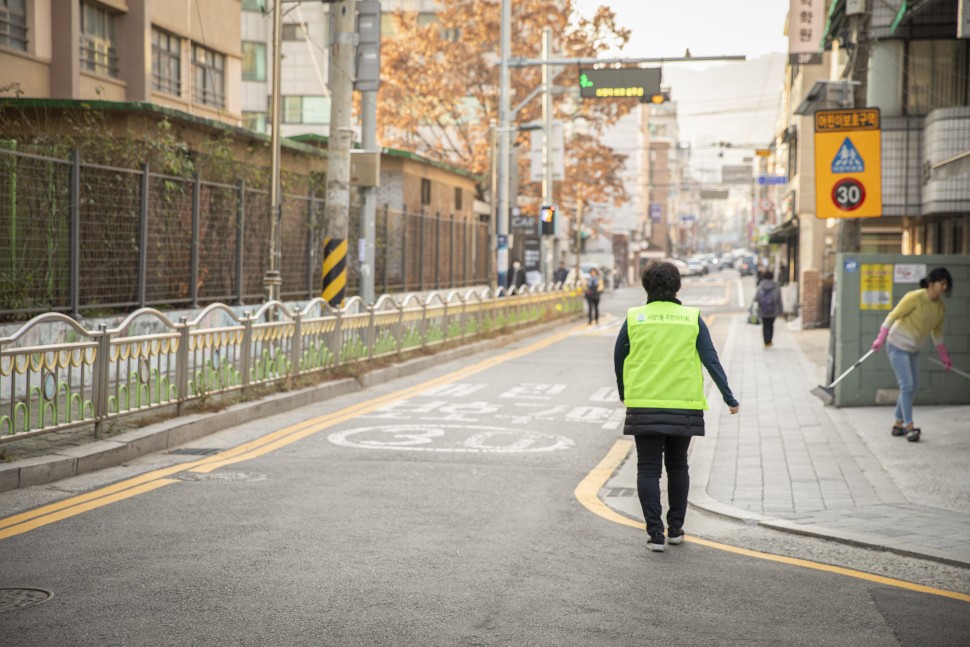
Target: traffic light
661,97
547,220
368,51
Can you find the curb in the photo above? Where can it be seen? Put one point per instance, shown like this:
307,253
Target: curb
701,458
161,436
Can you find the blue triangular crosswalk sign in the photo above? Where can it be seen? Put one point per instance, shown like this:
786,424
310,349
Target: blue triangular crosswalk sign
848,160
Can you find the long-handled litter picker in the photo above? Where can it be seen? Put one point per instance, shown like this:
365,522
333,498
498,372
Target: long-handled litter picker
952,370
827,393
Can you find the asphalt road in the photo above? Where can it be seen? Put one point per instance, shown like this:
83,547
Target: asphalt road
437,509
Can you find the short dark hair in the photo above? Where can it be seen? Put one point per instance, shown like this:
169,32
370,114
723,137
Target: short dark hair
768,274
939,274
661,281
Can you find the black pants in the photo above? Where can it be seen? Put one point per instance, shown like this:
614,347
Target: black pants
672,451
594,309
767,328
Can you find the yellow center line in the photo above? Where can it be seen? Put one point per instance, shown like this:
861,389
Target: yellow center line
587,493
41,516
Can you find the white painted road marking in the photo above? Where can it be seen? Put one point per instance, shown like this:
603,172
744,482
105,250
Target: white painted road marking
449,438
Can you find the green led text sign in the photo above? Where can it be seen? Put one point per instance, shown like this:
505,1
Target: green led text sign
609,84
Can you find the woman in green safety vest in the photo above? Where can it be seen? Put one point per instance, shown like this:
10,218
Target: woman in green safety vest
657,359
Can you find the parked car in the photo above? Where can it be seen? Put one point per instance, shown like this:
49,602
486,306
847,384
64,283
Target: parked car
701,260
694,268
726,260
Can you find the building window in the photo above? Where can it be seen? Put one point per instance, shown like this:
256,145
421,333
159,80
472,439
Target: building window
13,24
316,110
292,110
425,191
254,5
306,110
253,61
457,199
209,86
166,62
256,121
293,31
98,54
936,75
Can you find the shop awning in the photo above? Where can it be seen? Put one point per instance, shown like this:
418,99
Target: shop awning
785,232
833,23
899,16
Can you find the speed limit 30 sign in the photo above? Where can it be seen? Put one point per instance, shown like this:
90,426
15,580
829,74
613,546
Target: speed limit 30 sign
848,163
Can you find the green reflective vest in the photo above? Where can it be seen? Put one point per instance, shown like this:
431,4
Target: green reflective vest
663,369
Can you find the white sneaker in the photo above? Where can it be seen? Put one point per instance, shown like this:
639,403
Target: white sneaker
656,546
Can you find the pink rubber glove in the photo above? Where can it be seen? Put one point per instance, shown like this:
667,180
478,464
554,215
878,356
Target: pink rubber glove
880,338
944,356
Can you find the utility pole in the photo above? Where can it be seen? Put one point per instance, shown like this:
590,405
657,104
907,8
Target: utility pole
547,186
272,279
369,35
504,133
344,15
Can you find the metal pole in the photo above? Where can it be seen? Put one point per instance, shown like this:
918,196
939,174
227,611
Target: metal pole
75,208
143,237
579,235
196,242
368,106
502,218
493,206
240,239
272,280
547,197
341,91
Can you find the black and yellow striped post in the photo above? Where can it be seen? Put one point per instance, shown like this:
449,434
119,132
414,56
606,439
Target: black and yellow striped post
334,270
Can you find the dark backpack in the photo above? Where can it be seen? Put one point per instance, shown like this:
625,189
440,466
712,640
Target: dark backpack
768,304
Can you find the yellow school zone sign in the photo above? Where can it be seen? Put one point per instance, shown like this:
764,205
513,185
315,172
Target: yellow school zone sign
848,163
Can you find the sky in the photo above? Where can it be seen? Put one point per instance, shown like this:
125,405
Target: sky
662,28
741,111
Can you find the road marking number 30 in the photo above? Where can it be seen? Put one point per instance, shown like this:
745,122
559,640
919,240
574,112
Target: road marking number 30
449,438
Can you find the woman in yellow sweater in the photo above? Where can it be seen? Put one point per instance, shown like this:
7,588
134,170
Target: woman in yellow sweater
918,315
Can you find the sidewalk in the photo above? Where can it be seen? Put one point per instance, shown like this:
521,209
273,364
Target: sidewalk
790,463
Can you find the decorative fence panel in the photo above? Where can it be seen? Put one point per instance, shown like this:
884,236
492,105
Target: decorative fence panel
96,376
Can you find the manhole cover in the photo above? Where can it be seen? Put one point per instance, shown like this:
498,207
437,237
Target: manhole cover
221,476
20,598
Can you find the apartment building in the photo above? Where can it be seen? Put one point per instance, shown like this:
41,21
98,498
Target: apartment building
912,61
180,54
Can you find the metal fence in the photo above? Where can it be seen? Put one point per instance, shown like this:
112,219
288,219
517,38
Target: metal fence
81,238
149,362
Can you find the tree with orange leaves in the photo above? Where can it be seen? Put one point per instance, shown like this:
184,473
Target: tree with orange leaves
439,87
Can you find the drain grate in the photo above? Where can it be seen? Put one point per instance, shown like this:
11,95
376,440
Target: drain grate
194,451
221,476
620,491
20,598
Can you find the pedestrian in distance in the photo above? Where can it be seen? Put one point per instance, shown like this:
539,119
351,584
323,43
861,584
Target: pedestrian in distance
561,273
918,315
768,298
517,276
592,290
657,359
